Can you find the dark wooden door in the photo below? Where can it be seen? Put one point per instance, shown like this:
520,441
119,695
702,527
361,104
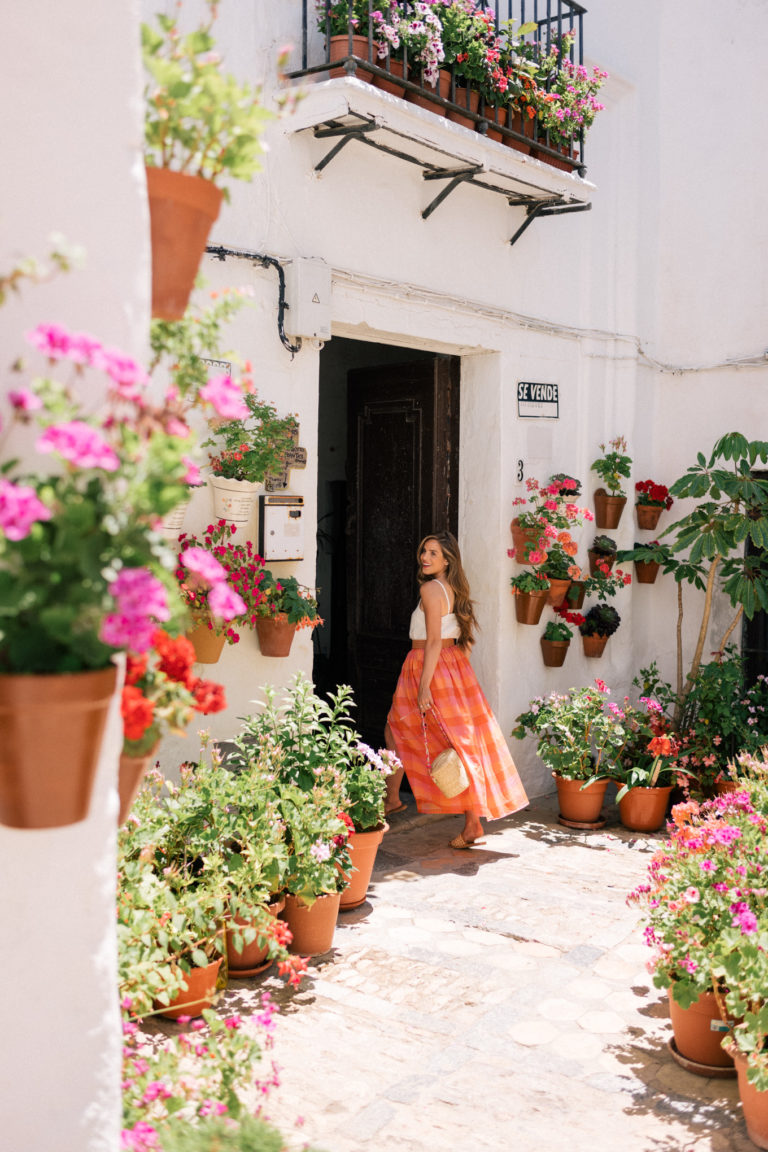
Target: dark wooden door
403,457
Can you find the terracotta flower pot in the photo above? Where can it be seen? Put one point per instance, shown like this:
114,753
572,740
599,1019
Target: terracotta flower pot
130,775
608,509
695,1037
558,590
253,957
575,594
363,847
339,48
461,101
312,927
644,809
275,636
530,605
581,807
647,515
208,646
594,645
392,86
516,122
554,652
753,1103
646,571
602,558
198,995
182,211
233,500
51,731
442,89
524,540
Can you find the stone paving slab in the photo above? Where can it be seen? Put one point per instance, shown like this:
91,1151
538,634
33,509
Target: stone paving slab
492,999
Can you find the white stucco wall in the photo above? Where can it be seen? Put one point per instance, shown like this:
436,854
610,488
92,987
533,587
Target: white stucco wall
71,132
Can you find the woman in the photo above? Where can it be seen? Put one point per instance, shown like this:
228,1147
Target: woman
437,681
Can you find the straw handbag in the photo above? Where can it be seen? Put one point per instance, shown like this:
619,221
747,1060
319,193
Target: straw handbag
447,769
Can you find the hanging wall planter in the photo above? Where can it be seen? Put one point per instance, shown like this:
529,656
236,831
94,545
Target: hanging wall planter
594,645
524,540
608,509
608,558
233,500
51,731
207,644
130,775
554,652
182,211
530,605
646,571
558,590
275,636
648,516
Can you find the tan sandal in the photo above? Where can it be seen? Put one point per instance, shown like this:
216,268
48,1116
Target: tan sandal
460,842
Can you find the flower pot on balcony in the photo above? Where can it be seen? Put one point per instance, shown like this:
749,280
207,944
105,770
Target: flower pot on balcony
275,636
554,652
530,605
51,731
516,122
648,516
130,775
339,48
468,99
558,589
393,85
646,571
644,809
208,646
233,500
182,211
524,540
608,509
594,645
443,89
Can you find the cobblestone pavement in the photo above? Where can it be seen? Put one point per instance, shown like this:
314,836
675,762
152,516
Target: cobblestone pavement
492,999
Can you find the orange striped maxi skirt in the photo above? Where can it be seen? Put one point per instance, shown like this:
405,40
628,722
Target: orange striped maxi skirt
495,787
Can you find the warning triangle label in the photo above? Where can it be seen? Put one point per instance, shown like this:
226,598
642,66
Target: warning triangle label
315,299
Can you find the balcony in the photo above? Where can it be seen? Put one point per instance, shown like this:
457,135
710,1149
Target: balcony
497,72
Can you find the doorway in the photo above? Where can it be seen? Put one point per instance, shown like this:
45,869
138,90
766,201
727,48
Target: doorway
387,474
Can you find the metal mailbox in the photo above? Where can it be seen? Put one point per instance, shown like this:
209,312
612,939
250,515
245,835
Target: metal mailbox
281,527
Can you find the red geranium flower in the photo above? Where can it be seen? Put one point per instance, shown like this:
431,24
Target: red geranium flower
177,656
209,696
137,712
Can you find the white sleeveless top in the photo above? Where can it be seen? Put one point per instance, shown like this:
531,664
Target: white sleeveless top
449,625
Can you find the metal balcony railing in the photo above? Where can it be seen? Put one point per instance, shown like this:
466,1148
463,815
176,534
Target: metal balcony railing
552,18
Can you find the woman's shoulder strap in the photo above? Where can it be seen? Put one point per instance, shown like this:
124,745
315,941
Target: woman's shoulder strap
445,593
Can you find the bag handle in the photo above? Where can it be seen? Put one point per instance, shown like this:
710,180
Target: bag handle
441,726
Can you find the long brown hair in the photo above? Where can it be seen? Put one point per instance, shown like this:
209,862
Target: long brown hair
463,606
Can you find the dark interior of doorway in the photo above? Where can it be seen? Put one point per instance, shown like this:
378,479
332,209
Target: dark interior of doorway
343,363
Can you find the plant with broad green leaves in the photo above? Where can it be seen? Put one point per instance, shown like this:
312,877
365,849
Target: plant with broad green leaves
614,465
199,119
253,447
531,581
578,734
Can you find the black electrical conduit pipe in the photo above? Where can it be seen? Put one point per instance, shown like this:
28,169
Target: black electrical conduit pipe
221,253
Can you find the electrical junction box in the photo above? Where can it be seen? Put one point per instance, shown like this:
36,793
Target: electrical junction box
281,527
308,298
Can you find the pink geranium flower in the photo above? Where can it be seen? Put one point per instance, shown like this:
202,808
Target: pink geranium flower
20,508
225,603
79,444
206,566
223,394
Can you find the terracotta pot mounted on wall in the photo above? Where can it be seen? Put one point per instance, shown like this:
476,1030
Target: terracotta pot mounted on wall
182,211
608,509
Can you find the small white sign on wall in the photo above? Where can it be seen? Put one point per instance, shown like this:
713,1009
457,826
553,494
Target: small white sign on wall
538,401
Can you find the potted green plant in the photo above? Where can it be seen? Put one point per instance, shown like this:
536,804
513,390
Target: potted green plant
220,583
201,125
364,779
530,590
651,500
602,555
577,735
600,622
647,767
612,467
284,607
346,30
648,559
248,449
557,637
565,99
82,571
161,694
559,569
